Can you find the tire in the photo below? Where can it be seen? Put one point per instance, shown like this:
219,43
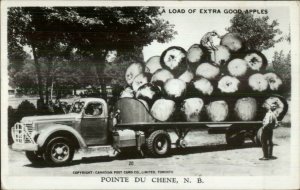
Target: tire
234,137
159,143
59,151
34,157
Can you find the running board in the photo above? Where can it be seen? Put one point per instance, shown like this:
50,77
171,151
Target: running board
95,151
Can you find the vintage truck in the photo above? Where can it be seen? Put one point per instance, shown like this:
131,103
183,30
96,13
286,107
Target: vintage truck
53,139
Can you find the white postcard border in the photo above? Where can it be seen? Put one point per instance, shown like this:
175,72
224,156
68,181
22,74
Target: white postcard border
211,182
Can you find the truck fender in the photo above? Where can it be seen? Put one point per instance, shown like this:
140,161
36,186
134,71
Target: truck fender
45,133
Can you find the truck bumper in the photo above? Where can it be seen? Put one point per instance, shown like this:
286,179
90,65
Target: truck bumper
25,147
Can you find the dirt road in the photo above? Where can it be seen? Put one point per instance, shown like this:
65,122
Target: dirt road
207,155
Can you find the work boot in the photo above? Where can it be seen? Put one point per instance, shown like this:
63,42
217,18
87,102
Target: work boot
272,157
264,158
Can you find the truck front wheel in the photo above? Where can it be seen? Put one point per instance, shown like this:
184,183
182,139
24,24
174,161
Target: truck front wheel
59,151
159,143
34,157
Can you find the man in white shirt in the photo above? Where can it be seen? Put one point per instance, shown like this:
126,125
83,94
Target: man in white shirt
207,43
269,123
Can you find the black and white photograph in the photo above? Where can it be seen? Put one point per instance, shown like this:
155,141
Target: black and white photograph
180,95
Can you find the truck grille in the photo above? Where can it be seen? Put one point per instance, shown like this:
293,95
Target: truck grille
29,128
21,133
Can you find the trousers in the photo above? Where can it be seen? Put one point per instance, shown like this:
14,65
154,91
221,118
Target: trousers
208,49
267,141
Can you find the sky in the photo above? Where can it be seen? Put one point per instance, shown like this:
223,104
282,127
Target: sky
192,26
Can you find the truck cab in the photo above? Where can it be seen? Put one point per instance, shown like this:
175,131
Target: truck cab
93,123
54,138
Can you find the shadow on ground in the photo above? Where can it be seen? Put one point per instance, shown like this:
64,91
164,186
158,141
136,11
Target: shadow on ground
133,154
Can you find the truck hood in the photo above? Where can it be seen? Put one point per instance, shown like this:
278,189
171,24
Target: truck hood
61,117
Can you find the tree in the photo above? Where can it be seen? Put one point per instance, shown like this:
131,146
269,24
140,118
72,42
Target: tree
257,33
114,71
31,26
287,37
121,29
23,77
55,33
282,66
16,54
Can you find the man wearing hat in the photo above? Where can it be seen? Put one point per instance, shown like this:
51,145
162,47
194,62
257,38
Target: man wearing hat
207,43
269,123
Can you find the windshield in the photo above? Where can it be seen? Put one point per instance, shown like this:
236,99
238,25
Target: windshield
77,107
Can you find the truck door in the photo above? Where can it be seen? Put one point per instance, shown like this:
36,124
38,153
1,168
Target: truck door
94,124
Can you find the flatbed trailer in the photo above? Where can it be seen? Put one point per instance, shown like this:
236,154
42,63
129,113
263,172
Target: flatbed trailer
134,116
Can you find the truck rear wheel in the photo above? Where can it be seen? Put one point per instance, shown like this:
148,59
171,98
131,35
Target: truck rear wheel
59,151
159,143
34,157
234,137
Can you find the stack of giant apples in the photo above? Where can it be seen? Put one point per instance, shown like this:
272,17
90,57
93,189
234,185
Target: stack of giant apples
228,84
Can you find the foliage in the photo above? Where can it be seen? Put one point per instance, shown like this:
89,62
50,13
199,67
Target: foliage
287,37
23,77
70,44
31,27
257,32
282,66
114,72
16,54
25,109
100,29
11,121
120,29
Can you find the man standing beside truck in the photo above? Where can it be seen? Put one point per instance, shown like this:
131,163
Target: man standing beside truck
269,123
